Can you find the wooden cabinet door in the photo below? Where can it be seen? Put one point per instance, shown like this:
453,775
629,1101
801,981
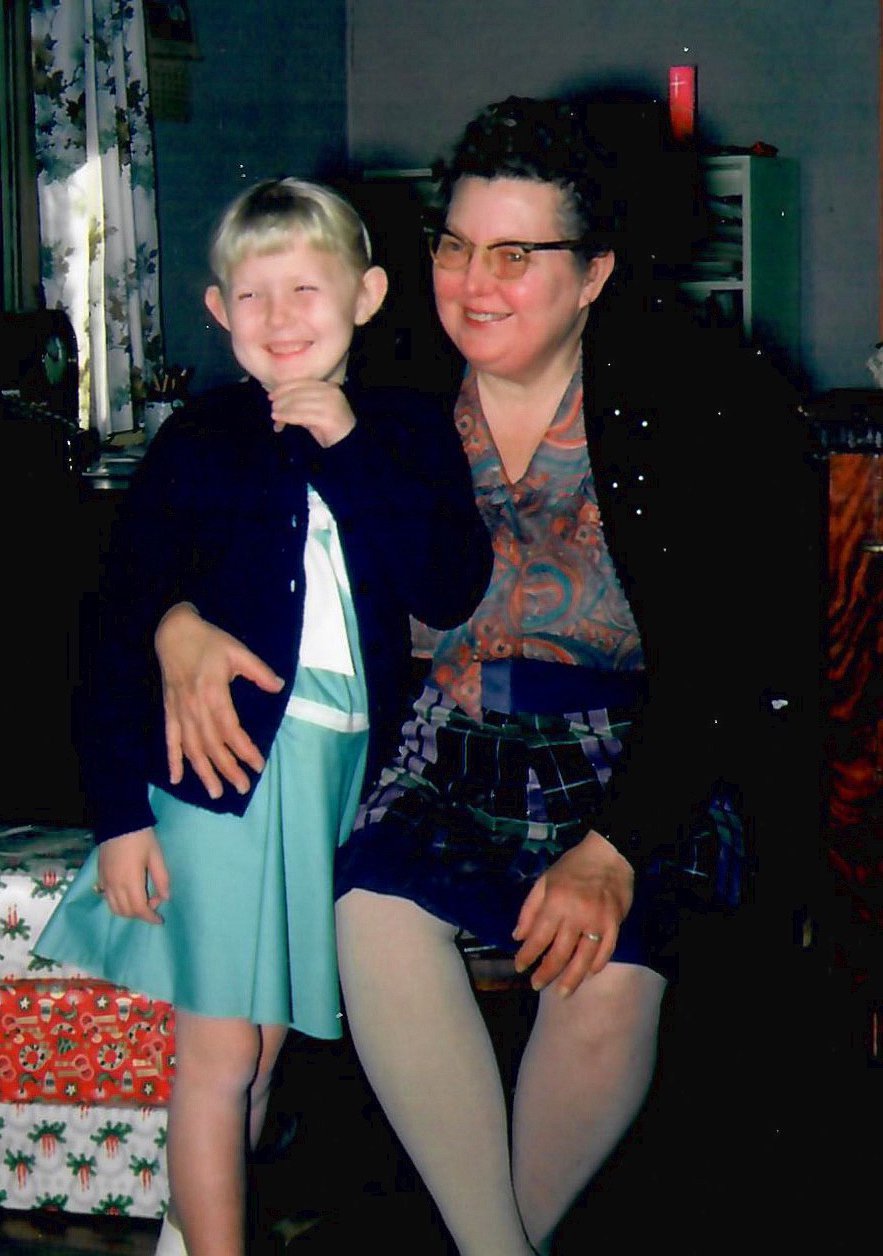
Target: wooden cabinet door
854,797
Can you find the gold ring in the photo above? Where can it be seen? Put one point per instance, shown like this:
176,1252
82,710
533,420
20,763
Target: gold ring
99,889
593,937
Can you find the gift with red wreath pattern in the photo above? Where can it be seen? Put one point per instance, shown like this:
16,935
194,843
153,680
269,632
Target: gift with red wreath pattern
75,1041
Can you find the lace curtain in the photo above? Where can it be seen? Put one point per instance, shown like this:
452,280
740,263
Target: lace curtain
95,182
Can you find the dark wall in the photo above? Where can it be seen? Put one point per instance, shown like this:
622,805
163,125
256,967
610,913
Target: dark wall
290,86
268,98
802,75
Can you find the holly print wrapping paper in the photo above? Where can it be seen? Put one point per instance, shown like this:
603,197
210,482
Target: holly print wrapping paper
85,1066
83,1159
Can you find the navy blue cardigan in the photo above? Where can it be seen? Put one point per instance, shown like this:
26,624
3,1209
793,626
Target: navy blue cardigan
216,515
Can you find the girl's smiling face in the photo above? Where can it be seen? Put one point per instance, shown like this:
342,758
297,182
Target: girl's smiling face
291,313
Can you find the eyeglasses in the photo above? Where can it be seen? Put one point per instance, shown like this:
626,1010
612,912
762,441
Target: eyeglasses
508,259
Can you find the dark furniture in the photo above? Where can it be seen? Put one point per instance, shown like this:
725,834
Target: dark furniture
53,526
849,428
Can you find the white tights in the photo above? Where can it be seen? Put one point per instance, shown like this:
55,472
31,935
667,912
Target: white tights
425,1048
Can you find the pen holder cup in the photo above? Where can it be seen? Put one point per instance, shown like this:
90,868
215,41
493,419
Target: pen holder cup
155,414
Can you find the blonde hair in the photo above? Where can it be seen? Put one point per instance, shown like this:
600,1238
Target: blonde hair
261,220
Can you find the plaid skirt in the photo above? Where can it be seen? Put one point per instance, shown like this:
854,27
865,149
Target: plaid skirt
471,813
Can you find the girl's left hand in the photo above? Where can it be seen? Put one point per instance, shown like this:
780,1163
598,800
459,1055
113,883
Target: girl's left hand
587,891
315,404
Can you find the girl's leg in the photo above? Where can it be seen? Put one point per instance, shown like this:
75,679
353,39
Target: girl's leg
424,1046
585,1072
220,1064
272,1039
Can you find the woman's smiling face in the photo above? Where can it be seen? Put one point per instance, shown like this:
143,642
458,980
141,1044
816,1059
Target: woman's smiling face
517,328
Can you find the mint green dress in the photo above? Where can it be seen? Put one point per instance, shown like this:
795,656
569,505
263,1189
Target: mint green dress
249,928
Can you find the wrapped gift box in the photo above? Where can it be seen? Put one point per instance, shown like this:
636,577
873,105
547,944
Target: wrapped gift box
84,1042
36,866
83,1159
85,1066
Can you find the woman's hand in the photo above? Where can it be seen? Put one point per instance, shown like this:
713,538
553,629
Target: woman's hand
198,663
127,865
315,404
588,890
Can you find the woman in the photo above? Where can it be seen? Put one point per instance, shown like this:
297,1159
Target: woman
588,741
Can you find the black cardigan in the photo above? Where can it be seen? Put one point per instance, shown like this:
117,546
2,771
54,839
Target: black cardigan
710,502
216,515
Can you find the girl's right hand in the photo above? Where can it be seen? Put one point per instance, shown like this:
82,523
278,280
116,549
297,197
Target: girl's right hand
127,866
316,404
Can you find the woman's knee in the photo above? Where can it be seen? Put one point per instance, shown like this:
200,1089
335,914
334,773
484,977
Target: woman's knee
622,1001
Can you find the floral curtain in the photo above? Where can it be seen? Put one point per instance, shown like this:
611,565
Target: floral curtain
95,179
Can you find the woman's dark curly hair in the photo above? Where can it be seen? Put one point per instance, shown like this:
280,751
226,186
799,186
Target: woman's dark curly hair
545,141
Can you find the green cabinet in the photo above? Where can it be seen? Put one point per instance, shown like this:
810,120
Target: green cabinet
746,272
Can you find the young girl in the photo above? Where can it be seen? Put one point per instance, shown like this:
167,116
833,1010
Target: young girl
308,520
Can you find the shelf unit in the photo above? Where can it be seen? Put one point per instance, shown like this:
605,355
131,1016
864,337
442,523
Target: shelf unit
747,271
744,275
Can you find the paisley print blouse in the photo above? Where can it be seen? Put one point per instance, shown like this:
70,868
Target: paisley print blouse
554,594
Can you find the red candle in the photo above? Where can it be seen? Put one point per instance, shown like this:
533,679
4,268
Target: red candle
682,102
